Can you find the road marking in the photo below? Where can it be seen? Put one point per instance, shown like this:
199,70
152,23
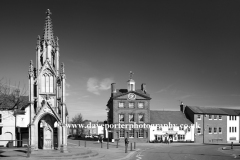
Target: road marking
72,143
139,155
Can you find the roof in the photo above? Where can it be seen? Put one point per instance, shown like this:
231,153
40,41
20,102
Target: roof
8,102
166,117
232,112
48,29
121,92
212,110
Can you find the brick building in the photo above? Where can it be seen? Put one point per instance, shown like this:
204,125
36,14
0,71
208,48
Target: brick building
216,125
128,107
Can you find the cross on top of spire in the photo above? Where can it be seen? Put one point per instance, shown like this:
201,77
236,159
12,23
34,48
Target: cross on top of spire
48,12
131,74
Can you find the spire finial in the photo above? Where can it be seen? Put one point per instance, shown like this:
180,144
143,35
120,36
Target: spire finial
48,29
48,12
131,74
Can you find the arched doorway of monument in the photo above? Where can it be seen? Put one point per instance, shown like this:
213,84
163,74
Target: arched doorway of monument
47,132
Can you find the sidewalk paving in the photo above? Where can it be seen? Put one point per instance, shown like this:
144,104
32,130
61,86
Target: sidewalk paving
74,152
227,150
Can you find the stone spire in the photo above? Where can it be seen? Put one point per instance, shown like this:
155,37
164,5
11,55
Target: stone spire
48,28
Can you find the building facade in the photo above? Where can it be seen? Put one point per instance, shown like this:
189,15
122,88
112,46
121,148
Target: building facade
48,110
128,107
215,125
170,125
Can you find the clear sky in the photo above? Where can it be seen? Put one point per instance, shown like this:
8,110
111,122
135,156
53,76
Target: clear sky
183,50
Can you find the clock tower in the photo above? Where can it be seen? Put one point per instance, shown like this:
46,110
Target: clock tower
129,112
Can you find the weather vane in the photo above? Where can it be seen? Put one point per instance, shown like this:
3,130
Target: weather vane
131,74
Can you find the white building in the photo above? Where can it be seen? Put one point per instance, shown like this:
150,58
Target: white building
170,125
232,125
8,120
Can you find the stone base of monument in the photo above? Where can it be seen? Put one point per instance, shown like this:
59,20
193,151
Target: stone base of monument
63,149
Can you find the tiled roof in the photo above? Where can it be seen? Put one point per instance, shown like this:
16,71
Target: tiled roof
8,103
232,112
207,110
212,110
164,117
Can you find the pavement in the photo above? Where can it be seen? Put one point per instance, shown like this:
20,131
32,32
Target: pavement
92,151
235,152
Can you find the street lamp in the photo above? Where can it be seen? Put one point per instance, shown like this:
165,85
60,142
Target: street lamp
107,110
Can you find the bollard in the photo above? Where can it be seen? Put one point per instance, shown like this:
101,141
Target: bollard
134,145
117,144
85,143
28,154
126,148
131,146
79,142
232,145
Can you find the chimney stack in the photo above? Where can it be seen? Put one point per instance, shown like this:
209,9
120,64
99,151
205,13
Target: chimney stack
113,87
143,87
182,107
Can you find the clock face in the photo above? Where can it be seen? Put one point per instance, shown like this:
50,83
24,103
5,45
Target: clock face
131,96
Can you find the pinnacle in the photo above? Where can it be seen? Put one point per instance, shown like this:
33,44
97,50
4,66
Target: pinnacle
48,28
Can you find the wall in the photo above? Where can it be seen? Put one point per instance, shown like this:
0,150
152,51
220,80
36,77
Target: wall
231,135
8,127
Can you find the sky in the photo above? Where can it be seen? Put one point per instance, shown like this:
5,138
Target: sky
183,50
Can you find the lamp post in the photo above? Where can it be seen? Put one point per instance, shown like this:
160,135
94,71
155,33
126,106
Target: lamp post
107,110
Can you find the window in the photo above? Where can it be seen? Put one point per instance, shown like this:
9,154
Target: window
131,133
121,104
140,105
215,117
198,130
159,128
210,130
181,128
220,117
141,132
122,132
230,117
0,130
181,137
235,129
131,105
131,117
141,117
121,117
0,118
47,82
170,128
215,130
232,129
220,130
210,117
199,117
229,129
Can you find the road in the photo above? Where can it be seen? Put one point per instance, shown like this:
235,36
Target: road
181,152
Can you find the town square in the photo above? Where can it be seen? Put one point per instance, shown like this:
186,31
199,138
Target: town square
118,80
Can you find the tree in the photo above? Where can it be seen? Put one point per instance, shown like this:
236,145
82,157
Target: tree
78,119
12,97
